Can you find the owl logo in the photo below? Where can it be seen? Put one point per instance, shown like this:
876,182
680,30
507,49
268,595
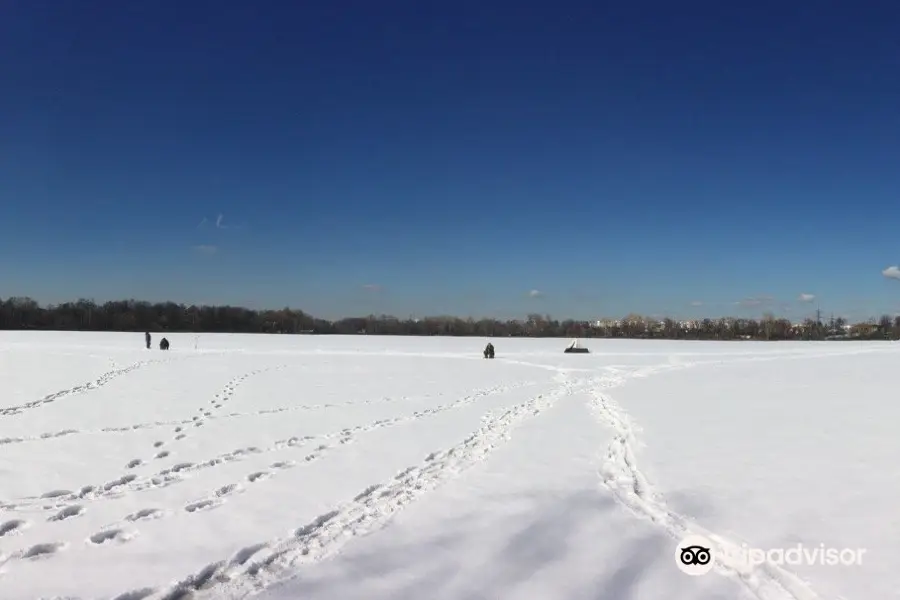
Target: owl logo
694,555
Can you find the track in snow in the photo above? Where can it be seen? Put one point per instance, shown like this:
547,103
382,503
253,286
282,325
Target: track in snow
206,412
130,482
260,565
257,566
99,382
621,474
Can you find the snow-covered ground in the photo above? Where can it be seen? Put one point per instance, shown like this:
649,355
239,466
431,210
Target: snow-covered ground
375,468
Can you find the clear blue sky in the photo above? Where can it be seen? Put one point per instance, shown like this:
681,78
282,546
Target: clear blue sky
424,158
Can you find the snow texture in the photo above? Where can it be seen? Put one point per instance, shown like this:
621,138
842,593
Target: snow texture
380,468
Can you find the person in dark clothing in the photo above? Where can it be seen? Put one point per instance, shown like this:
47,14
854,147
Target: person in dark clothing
147,339
164,344
489,350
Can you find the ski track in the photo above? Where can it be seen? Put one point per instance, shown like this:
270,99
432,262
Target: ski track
621,475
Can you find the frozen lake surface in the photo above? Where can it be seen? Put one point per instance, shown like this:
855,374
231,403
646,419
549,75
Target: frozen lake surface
390,468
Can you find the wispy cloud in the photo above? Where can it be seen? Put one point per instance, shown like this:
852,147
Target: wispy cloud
892,272
806,297
696,303
219,223
755,302
535,294
206,249
372,287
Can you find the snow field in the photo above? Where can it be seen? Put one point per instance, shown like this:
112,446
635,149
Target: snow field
351,467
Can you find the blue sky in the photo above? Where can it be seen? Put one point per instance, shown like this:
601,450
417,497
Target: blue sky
692,158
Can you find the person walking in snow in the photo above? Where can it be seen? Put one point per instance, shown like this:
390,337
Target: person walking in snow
147,339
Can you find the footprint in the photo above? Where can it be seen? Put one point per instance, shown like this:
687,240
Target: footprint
162,454
67,513
134,463
201,505
180,436
178,429
110,535
12,526
43,549
366,493
245,554
225,490
145,514
140,594
257,476
157,444
56,494
126,479
283,464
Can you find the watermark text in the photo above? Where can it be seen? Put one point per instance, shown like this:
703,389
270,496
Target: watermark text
697,555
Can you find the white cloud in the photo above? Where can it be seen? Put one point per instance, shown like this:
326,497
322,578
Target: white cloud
696,303
219,223
892,272
206,249
806,297
535,294
372,287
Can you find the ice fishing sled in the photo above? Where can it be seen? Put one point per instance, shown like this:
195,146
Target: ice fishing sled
575,348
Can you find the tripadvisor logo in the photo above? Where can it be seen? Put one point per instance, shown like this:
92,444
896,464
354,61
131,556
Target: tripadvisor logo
695,555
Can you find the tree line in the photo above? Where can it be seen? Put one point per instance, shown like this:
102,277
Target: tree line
23,313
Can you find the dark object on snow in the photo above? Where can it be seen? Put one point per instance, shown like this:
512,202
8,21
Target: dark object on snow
574,348
147,339
164,344
489,350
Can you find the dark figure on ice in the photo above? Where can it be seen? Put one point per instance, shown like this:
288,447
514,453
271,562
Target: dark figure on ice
489,350
147,339
164,344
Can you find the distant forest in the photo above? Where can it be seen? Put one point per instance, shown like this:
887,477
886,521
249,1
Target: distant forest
20,313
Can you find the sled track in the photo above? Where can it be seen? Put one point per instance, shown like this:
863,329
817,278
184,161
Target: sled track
620,473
